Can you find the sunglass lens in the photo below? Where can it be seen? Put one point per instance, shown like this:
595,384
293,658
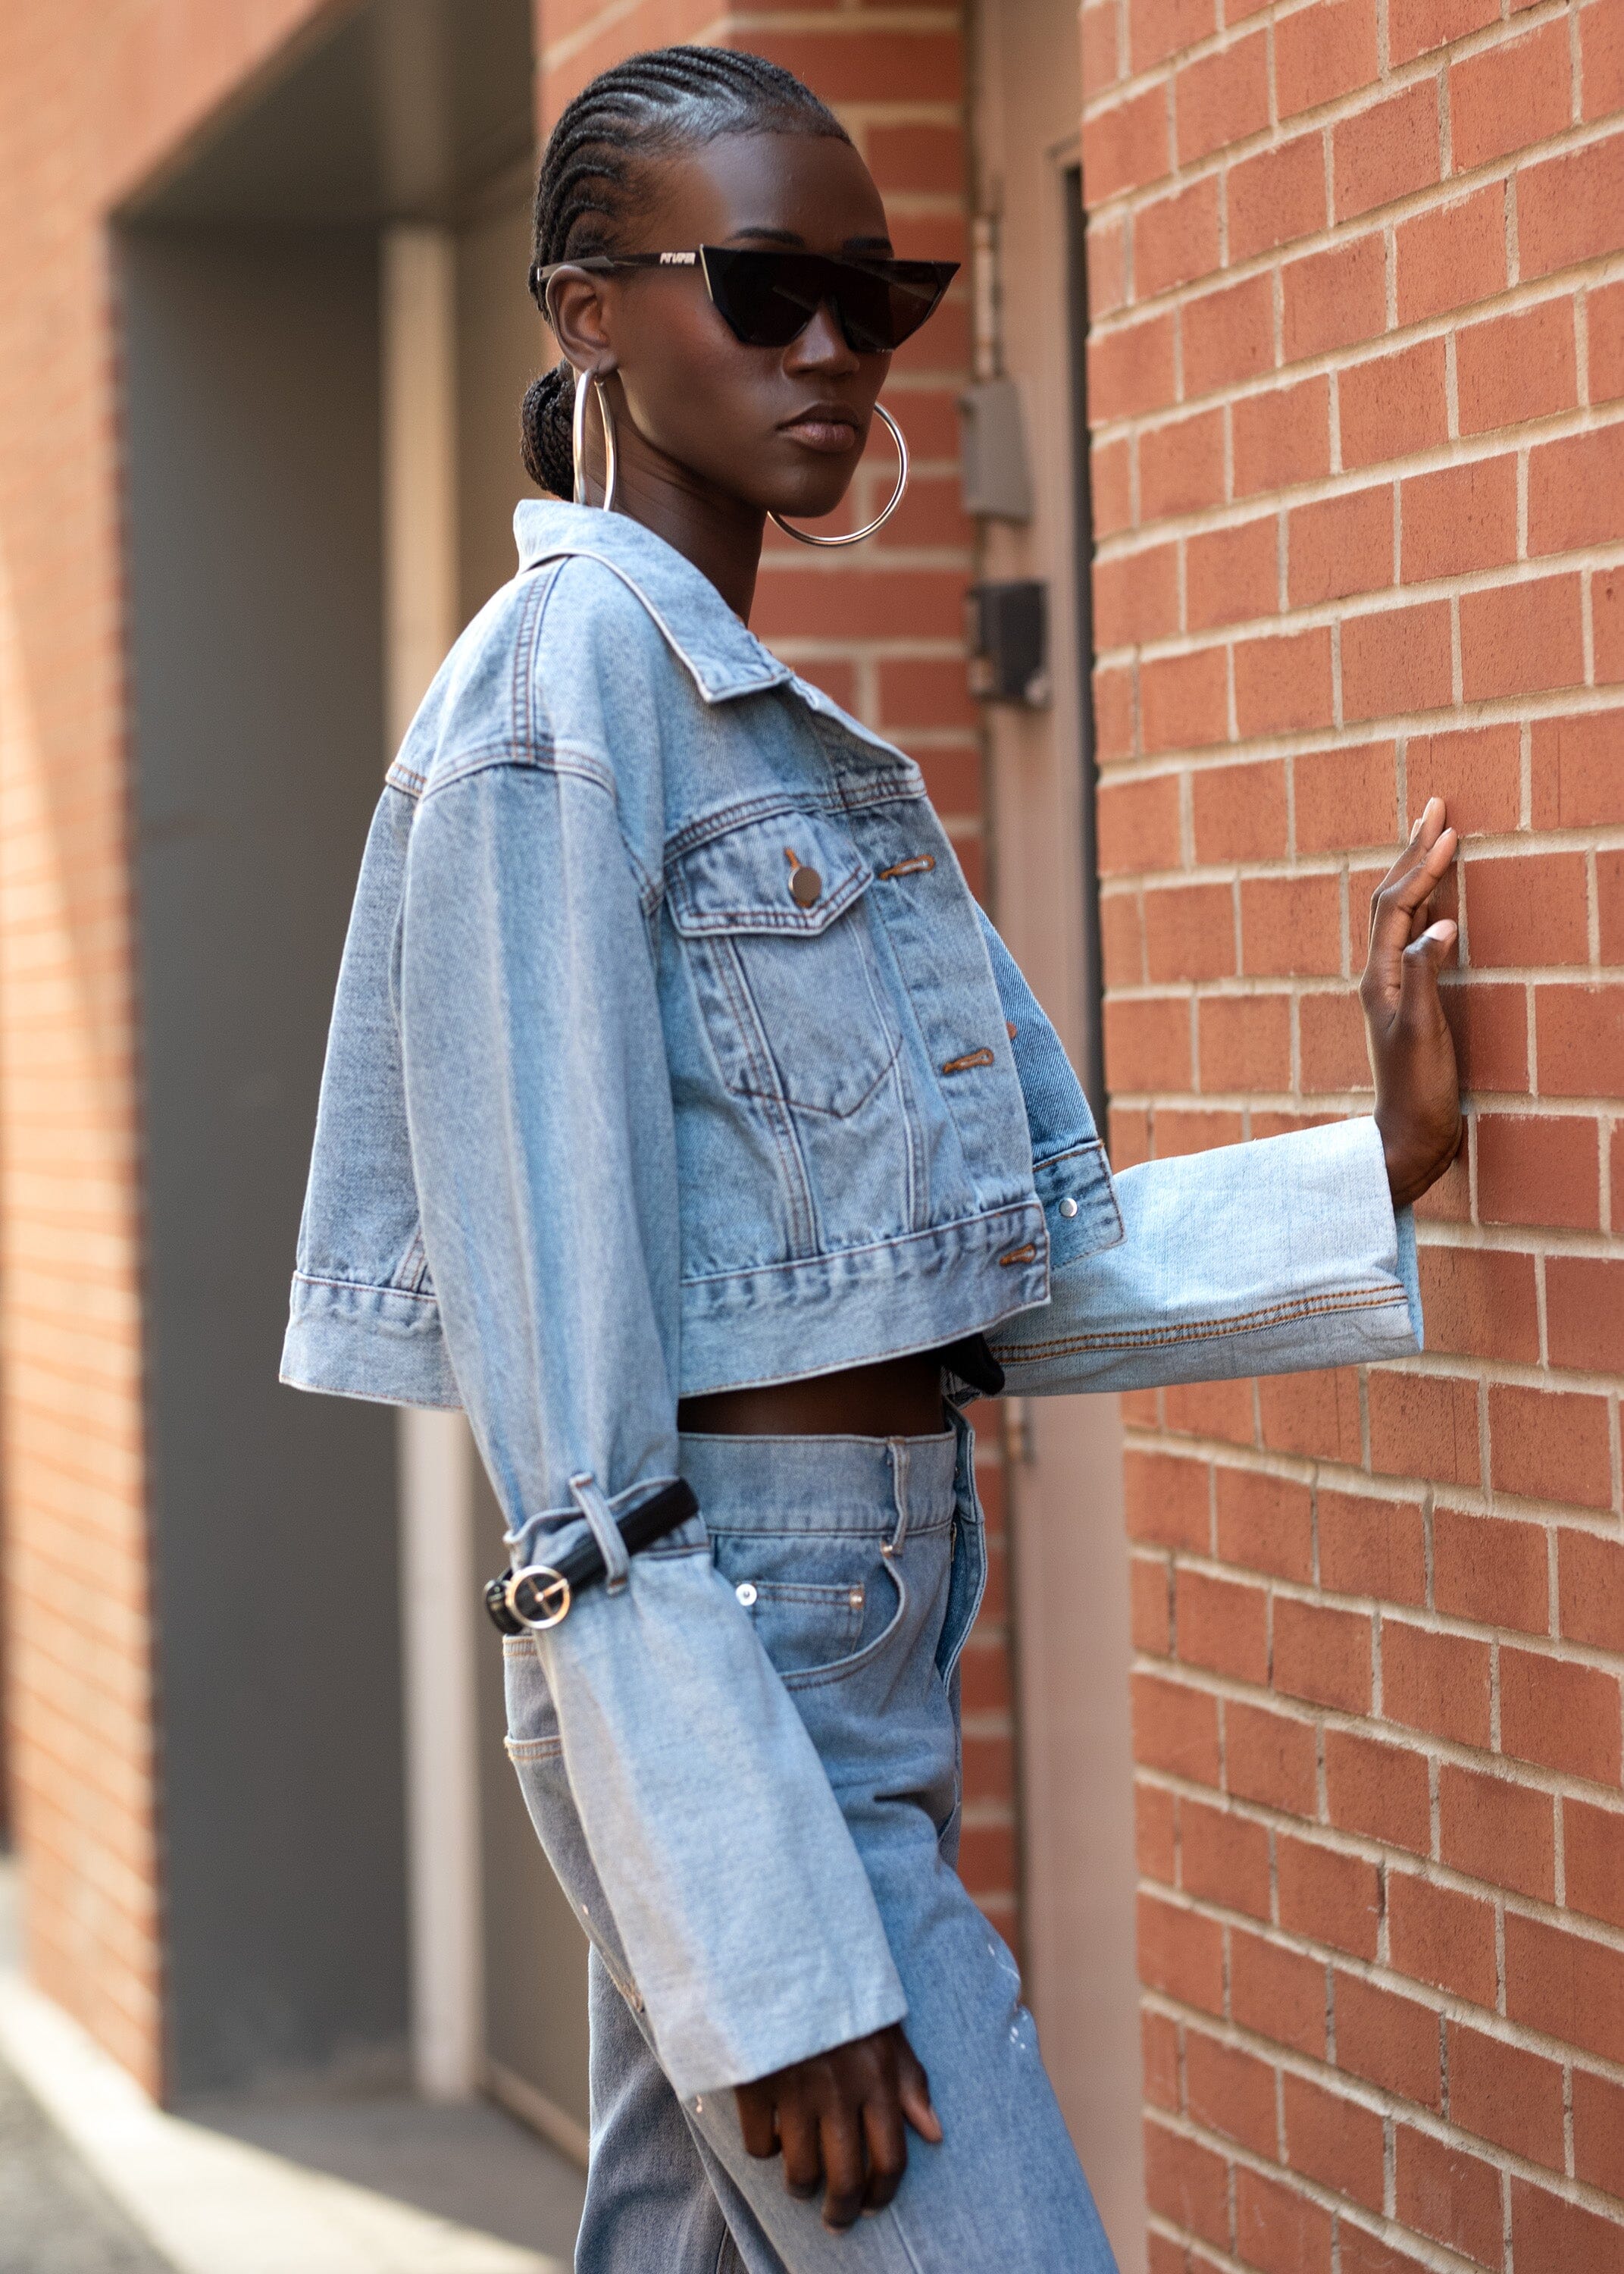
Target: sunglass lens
766,298
769,298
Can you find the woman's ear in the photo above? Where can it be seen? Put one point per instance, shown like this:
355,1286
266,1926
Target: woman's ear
576,299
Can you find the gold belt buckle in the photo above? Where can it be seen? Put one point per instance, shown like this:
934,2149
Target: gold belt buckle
547,1591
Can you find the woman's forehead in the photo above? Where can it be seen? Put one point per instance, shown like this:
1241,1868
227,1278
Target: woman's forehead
812,188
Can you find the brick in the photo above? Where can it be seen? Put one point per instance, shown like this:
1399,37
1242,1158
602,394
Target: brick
1240,811
1372,1547
1176,239
1175,1729
1573,491
1570,208
1336,298
1189,932
1231,575
1125,148
1386,152
916,157
1451,2195
1277,2230
1187,2184
1591,1587
1333,1053
1328,1896
1221,1624
1388,2041
1131,368
1565,1985
1452,255
1224,1859
1603,318
1481,1303
1379,1790
1535,1168
1167,1500
1110,490
1593,1860
1159,2053
1159,28
1114,714
1345,798
1397,659
1150,1606
1135,596
1516,367
1155,1833
1391,406
1367,2253
1507,2096
1423,1426
1147,1044
1269,1759
1551,2236
1610,906
1491,1569
1102,65
1414,27
1477,772
1598,2132
1291,925
1459,518
1105,249
1601,52
1509,96
1314,1413
1490,1026
1181,1953
1323,1654
1341,545
1437,1935
1228,335
1265,1524
1277,1993
1584,1310
1184,700
1334,2140
1181,466
1223,98
1608,625
1138,824
1230,2091
1244,1042
1495,1830
1130,1136
1284,684
1324,52
1438,1683
1550,1444
1282,437
1211,1409
1515,638
1275,196
1530,910
1566,1717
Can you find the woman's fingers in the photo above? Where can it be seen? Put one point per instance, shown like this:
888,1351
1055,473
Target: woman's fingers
845,2179
803,2155
1398,902
913,2091
757,2119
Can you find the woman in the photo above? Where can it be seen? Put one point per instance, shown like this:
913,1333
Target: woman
684,1119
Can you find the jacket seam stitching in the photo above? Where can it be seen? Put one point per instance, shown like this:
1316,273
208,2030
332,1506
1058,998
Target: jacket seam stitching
366,1287
1341,1299
840,1256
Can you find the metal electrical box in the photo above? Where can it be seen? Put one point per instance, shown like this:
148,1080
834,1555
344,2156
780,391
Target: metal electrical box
1009,642
995,478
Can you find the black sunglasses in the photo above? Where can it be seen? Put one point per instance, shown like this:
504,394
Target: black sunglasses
767,299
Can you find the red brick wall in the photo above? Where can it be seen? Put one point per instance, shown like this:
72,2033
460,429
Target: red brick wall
881,627
91,93
1357,397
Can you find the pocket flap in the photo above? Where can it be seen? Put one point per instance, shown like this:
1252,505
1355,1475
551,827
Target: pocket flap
1079,1202
793,875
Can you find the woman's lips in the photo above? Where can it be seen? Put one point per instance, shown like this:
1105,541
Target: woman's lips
825,430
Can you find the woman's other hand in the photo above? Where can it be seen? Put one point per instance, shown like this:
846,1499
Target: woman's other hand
838,2118
1417,1089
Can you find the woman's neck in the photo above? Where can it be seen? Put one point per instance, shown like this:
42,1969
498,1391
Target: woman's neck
720,534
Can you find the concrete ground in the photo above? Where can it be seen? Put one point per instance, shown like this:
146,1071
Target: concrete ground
95,2179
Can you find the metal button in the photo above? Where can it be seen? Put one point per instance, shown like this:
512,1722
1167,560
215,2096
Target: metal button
746,1592
804,884
1068,1207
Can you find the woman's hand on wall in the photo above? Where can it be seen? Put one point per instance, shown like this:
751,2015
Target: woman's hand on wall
1417,1088
838,2118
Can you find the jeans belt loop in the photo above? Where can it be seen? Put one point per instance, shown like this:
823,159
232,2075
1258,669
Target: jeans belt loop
900,1451
590,1500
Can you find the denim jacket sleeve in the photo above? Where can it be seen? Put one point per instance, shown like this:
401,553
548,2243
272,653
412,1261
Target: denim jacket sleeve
541,1130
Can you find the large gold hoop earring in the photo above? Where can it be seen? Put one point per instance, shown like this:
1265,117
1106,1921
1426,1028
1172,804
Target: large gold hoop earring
805,536
577,441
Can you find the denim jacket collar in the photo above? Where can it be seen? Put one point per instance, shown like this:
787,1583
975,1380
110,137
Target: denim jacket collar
723,655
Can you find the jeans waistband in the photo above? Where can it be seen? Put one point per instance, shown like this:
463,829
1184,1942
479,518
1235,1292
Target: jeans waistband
823,1484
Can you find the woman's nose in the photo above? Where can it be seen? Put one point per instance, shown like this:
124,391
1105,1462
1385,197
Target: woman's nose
822,346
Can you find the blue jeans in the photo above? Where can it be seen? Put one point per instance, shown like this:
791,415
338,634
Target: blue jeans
861,1561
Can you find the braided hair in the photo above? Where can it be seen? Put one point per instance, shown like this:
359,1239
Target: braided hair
666,99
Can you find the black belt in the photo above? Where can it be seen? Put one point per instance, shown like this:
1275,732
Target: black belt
540,1594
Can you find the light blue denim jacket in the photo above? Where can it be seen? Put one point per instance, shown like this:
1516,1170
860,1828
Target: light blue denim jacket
618,1108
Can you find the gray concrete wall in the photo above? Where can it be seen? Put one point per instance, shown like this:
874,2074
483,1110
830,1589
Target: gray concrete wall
252,445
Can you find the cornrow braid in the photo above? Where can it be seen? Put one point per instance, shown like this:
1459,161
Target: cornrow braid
587,190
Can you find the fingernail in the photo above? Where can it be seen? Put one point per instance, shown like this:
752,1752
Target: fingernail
1415,828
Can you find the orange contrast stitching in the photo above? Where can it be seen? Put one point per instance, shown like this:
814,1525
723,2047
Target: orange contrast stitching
970,1059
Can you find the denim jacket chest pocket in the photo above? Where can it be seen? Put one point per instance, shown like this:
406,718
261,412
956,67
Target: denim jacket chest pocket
772,919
